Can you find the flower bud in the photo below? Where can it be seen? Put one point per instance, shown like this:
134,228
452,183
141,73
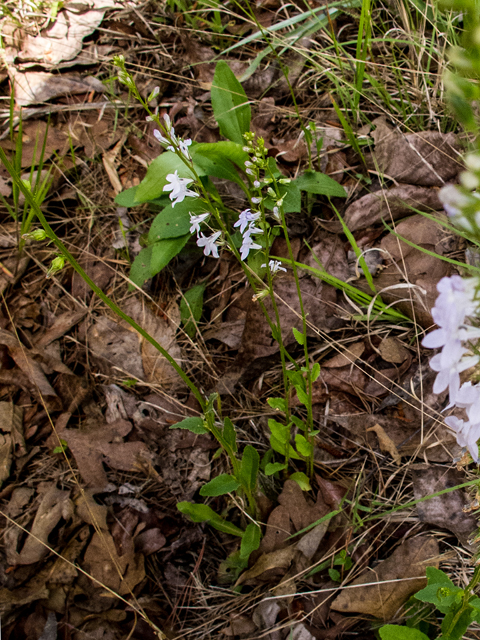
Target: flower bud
154,94
56,265
37,234
469,180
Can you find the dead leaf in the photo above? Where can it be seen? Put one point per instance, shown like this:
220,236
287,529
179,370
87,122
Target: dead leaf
33,87
386,443
120,573
150,541
390,204
328,253
392,350
269,564
55,504
350,354
90,511
428,158
63,40
445,511
383,601
61,325
230,333
38,137
157,369
63,570
92,447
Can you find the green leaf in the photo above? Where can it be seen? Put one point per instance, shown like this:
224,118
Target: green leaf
315,372
173,222
278,404
195,425
439,591
319,183
140,271
151,186
292,202
203,513
334,575
230,434
396,632
460,626
302,480
280,447
302,395
304,447
230,104
274,467
299,337
219,486
249,468
127,198
216,158
191,306
251,540
164,250
279,431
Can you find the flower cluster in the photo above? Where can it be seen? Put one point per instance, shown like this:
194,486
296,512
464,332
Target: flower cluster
455,303
173,142
246,222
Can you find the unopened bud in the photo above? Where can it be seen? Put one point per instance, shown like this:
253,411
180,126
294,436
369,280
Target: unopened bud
154,94
37,234
57,265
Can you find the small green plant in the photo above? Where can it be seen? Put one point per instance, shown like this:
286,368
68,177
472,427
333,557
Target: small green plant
460,608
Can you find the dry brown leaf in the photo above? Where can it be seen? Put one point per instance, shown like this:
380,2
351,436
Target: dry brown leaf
63,40
350,354
92,447
55,504
428,158
11,436
230,333
386,443
35,135
328,253
390,204
90,511
276,562
393,585
61,325
33,87
120,573
157,369
63,571
392,350
30,367
150,541
444,511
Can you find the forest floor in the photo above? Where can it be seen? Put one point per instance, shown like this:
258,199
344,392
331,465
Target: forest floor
92,544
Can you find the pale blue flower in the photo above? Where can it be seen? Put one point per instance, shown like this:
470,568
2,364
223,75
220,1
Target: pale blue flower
209,243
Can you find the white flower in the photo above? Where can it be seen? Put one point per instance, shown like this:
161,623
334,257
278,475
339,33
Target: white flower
178,187
256,184
276,214
183,146
247,245
168,123
159,136
209,244
196,221
252,229
250,172
274,266
245,218
449,366
256,200
468,434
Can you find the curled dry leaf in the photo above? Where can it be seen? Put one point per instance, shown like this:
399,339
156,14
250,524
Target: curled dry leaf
63,40
444,511
428,158
386,443
55,504
350,354
119,573
92,447
391,578
11,436
390,204
33,87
